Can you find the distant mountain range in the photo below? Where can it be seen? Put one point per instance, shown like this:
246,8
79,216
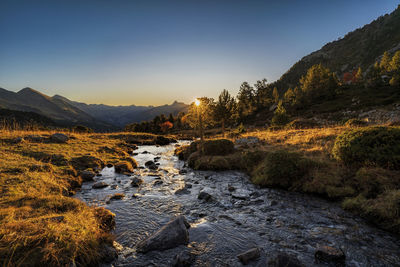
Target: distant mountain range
67,112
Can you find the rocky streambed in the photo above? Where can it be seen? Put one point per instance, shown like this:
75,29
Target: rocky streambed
229,216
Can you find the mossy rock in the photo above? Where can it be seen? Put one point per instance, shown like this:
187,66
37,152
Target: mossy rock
379,146
86,162
218,147
123,167
212,163
281,169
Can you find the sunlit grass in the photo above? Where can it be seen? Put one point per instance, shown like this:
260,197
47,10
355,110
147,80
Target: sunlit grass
40,223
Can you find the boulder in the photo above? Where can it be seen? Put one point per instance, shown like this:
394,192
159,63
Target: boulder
283,260
109,165
117,196
136,181
99,185
204,196
171,235
88,175
182,191
151,165
86,162
123,167
330,255
249,255
247,141
183,259
59,138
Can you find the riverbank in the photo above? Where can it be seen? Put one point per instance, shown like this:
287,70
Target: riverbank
39,171
228,216
303,161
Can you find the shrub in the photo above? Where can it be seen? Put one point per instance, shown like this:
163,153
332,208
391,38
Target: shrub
82,129
281,169
218,147
355,123
301,124
372,182
214,163
373,145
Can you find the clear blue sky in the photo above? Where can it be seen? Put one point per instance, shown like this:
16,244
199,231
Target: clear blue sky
153,52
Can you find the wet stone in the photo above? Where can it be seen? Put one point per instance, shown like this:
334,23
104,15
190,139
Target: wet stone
136,181
284,260
204,196
171,235
330,255
249,255
99,185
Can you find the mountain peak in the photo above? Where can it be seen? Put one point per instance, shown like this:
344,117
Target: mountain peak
28,90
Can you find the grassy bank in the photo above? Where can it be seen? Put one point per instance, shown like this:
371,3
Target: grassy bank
308,161
40,223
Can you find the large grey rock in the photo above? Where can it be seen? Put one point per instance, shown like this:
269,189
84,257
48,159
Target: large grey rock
99,185
136,181
171,235
59,138
330,255
151,165
88,175
249,255
284,260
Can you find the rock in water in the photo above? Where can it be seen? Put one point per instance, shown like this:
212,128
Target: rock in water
183,259
330,255
283,259
151,165
171,235
59,138
99,185
136,181
88,175
249,255
205,196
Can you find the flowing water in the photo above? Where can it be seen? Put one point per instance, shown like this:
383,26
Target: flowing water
240,216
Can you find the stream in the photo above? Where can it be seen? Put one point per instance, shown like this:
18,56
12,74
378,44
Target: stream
240,216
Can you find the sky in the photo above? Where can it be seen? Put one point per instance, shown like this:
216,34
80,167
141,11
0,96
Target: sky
123,52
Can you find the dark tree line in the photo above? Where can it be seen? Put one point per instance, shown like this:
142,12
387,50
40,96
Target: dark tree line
317,85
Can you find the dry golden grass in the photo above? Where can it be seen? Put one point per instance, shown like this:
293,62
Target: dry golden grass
40,223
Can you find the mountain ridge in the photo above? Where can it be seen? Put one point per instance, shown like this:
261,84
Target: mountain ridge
66,111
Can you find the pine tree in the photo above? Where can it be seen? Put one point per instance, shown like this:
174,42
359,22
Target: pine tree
319,83
289,97
275,95
224,109
395,62
385,62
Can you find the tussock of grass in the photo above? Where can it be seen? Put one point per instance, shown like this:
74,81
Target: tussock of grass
40,224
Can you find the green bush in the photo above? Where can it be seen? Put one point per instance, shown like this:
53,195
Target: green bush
373,145
214,163
218,147
281,169
372,182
